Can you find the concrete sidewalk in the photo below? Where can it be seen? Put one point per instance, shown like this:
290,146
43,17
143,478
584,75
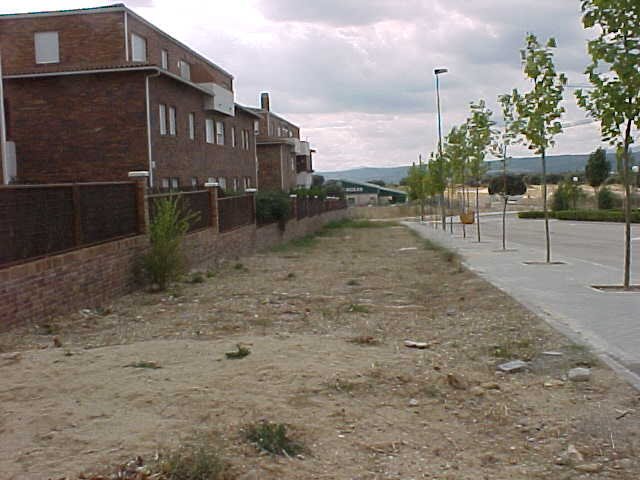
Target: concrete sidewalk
561,294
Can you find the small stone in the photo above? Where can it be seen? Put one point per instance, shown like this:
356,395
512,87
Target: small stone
413,402
456,382
250,475
490,386
589,467
553,354
570,457
513,366
579,374
553,383
451,312
477,391
56,342
623,464
11,357
418,345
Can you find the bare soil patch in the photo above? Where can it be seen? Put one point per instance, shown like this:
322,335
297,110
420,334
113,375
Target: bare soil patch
325,321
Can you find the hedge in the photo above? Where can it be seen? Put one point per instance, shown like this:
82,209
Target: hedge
585,215
534,214
597,215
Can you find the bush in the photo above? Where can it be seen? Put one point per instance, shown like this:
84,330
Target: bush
597,215
272,438
566,196
272,206
164,261
194,462
607,199
534,214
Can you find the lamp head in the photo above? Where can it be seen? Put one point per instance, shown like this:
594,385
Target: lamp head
438,71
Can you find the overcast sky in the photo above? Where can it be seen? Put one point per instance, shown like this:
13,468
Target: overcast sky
357,75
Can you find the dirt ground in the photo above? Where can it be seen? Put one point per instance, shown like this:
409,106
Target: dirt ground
325,320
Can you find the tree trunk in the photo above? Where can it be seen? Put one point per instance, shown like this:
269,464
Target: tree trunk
444,212
544,206
627,208
478,208
422,209
506,198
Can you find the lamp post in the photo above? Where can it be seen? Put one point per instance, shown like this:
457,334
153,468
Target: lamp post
437,72
575,191
636,169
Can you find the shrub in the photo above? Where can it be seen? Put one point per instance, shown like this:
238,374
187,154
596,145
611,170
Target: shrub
272,206
608,200
164,261
533,214
566,196
597,215
272,438
194,462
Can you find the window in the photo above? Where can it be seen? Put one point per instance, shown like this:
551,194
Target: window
192,126
208,130
256,127
139,48
172,121
245,139
164,59
163,119
47,47
220,132
185,69
165,183
223,183
236,184
212,180
175,183
194,182
293,164
247,182
234,141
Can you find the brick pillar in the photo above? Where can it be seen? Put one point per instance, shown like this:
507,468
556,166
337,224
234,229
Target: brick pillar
214,223
142,202
252,192
294,206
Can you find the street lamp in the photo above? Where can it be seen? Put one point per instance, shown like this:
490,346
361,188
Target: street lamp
636,169
437,72
575,192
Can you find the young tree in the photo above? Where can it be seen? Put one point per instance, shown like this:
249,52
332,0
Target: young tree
479,127
456,151
615,76
438,169
539,110
597,169
418,184
503,138
506,186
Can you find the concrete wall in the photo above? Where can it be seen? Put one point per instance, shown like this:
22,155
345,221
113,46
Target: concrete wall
89,277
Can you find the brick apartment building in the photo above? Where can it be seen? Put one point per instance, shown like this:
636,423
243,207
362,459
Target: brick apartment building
284,161
92,94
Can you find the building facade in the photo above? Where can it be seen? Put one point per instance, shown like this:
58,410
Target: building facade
92,94
284,161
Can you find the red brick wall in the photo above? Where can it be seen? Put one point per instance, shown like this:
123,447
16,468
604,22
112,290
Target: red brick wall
84,40
78,127
201,71
269,166
93,276
179,156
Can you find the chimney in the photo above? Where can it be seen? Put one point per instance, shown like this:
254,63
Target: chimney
264,101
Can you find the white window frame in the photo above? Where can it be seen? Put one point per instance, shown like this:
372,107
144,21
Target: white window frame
138,48
172,121
175,183
47,47
192,126
247,182
165,183
209,130
164,59
185,69
223,183
194,182
236,184
234,140
219,132
162,117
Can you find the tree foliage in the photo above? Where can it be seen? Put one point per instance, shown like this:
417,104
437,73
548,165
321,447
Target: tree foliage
539,110
508,186
615,75
597,168
479,131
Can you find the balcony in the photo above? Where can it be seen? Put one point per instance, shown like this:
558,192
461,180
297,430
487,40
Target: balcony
221,99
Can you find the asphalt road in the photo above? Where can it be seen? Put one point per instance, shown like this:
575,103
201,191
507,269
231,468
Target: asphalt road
592,253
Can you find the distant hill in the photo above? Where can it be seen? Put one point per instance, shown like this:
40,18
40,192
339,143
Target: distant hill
392,175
